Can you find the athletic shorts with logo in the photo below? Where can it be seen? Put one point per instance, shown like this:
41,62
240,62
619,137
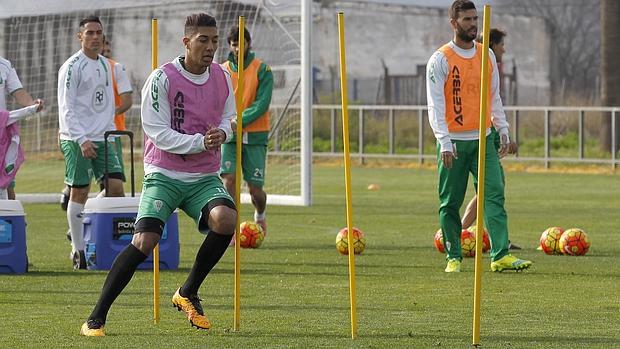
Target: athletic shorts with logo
161,195
80,171
254,157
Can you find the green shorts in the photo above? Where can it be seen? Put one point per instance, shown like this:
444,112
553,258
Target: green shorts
12,185
161,195
254,158
80,171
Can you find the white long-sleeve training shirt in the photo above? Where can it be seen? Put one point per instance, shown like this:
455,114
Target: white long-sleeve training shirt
436,75
156,123
85,98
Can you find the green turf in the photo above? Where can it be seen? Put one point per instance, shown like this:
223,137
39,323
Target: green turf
295,287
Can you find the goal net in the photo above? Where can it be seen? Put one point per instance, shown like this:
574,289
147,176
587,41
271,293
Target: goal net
38,36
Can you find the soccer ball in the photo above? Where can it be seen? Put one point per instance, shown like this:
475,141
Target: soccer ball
439,241
342,242
550,240
252,235
468,243
574,242
486,242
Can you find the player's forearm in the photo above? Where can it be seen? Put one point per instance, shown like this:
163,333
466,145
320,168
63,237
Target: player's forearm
497,107
23,98
126,102
226,125
172,141
21,114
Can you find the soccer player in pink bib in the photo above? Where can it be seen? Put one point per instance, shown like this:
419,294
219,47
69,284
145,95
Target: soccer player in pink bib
187,109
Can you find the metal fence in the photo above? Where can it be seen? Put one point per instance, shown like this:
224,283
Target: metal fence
403,132
545,134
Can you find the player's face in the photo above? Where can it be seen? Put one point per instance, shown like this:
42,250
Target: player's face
234,48
106,51
499,51
466,25
200,47
91,37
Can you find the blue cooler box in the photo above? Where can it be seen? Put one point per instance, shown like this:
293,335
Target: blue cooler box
13,259
108,228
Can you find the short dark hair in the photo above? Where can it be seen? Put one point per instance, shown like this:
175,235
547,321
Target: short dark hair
196,20
496,36
90,19
233,34
459,6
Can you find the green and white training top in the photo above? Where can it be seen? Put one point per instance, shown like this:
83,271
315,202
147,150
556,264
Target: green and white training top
86,98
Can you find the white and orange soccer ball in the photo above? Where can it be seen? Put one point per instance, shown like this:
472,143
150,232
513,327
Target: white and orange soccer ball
468,243
439,241
252,235
486,242
574,242
342,242
550,240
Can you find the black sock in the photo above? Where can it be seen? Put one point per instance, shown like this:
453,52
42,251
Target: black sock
123,268
210,252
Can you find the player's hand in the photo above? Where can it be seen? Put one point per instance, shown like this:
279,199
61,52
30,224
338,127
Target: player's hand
40,104
214,138
513,148
233,125
89,150
504,148
448,156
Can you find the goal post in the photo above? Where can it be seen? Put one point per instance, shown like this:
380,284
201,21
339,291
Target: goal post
38,36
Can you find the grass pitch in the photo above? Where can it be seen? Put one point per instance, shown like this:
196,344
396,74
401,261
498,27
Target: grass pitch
295,287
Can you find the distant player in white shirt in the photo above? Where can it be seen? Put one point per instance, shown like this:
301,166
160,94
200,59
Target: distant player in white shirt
86,111
11,85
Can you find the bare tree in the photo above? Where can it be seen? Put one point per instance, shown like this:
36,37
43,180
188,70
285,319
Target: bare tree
574,29
610,72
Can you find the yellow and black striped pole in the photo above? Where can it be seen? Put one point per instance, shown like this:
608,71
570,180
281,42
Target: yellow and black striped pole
347,172
156,250
484,91
239,102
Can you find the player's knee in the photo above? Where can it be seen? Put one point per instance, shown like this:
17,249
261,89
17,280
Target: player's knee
223,219
145,241
255,190
227,177
116,187
79,194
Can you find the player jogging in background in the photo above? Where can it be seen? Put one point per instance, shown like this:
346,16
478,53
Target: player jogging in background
187,108
258,86
453,94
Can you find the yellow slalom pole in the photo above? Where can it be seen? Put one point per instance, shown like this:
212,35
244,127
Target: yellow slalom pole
484,91
239,102
347,171
156,250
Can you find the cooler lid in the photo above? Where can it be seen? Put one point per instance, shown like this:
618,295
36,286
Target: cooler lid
11,208
112,205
